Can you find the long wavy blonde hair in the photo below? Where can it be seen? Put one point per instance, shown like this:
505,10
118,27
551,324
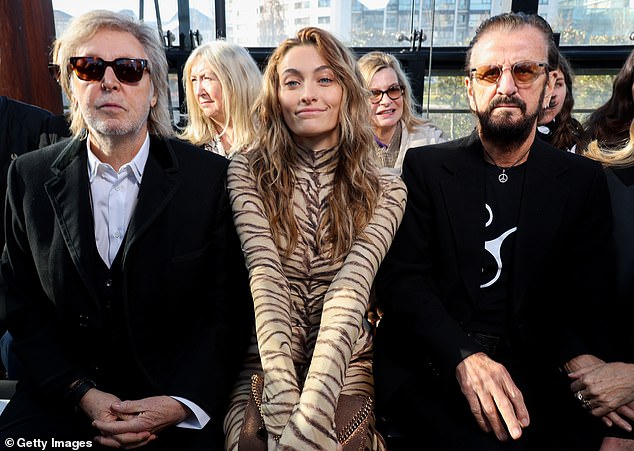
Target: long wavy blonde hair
240,79
621,157
356,188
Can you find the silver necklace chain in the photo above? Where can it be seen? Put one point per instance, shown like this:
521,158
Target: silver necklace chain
504,177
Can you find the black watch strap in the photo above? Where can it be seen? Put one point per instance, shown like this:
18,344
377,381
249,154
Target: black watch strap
78,389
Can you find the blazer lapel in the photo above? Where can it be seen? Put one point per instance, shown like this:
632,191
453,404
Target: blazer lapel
543,203
158,187
464,195
69,193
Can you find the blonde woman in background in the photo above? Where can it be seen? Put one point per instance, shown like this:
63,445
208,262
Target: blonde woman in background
397,126
221,83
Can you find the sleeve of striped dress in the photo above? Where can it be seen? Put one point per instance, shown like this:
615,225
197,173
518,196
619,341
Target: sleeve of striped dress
271,298
345,306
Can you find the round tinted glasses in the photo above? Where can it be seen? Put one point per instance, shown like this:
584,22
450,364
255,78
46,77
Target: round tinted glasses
524,72
393,92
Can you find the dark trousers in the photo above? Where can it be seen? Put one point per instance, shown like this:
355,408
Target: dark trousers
429,413
28,417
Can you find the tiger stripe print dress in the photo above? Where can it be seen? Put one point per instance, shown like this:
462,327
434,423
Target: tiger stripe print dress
311,340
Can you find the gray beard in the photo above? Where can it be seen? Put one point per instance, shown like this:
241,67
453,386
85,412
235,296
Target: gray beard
103,127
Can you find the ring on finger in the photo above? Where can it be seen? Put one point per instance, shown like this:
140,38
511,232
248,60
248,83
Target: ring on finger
587,405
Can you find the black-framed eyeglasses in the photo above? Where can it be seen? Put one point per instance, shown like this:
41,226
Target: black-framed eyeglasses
90,68
524,72
394,92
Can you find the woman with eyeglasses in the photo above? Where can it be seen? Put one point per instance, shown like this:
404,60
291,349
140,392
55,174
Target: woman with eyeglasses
221,83
396,125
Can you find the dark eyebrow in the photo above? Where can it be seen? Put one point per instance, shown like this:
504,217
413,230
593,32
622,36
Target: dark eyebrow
290,71
324,67
293,71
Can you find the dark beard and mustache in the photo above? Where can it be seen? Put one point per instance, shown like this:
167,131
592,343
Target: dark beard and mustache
503,131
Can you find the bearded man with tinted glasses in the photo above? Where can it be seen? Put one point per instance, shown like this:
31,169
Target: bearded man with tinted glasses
495,281
127,295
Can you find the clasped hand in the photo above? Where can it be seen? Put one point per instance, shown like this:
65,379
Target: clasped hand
609,390
130,424
494,399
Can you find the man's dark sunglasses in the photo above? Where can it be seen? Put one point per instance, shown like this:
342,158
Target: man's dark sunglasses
127,70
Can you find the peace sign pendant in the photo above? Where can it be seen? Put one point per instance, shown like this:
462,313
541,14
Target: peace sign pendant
503,178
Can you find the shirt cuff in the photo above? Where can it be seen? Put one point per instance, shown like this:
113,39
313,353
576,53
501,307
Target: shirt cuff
197,420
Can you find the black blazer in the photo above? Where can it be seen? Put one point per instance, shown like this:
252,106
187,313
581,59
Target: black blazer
621,186
429,281
187,309
23,128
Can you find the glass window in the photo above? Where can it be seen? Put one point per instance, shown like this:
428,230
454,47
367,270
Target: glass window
201,14
591,91
371,22
447,105
388,23
583,22
365,23
480,5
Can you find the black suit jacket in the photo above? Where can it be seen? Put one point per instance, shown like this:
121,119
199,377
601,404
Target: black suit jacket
621,186
23,128
429,282
188,314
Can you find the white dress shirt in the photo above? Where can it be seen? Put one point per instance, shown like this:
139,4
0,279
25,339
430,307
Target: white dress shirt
114,197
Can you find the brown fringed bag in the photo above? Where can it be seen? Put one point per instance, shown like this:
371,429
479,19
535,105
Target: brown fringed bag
352,419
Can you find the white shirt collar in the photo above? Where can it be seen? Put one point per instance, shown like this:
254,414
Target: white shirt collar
136,166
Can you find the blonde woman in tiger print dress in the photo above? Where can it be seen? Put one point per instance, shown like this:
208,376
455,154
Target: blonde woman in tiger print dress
315,220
